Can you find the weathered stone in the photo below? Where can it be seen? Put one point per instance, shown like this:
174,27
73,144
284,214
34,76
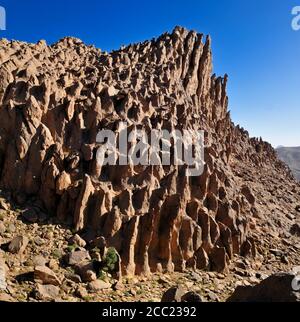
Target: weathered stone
39,261
86,271
77,240
45,275
18,245
78,257
6,298
202,260
174,294
98,285
276,288
46,292
246,191
63,183
219,259
191,297
4,205
2,228
81,292
74,277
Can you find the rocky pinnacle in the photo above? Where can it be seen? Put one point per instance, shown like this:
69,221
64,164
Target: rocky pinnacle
54,100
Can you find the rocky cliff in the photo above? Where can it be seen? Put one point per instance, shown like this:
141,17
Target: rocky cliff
55,99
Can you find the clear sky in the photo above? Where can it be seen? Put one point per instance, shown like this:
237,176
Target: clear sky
252,41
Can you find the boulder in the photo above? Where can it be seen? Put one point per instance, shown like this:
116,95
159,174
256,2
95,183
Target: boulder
98,285
45,275
282,287
77,240
78,257
46,292
177,294
173,294
18,245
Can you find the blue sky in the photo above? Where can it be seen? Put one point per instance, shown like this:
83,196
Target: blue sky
252,41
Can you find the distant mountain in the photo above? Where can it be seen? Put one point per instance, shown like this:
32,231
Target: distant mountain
291,156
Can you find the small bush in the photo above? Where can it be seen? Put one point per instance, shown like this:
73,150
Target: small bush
111,259
108,263
102,275
72,248
56,253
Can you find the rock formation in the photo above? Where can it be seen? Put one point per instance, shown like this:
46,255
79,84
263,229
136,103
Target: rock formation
55,99
276,288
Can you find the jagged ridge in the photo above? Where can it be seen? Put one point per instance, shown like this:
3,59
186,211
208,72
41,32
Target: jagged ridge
55,99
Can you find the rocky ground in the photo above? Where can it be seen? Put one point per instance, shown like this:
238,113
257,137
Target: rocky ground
38,267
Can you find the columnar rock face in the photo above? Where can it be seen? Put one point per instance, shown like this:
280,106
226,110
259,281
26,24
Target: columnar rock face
55,99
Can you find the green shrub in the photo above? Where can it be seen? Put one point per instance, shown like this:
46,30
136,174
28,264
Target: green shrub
56,253
110,259
109,263
102,275
72,248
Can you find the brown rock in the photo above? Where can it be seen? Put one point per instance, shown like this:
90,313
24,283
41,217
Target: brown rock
77,240
46,292
78,257
81,292
18,245
219,259
63,183
276,288
2,228
98,285
246,191
174,294
45,275
3,205
202,259
86,271
39,261
6,298
191,297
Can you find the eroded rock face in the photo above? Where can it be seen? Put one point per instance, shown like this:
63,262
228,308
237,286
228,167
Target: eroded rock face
55,99
282,287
